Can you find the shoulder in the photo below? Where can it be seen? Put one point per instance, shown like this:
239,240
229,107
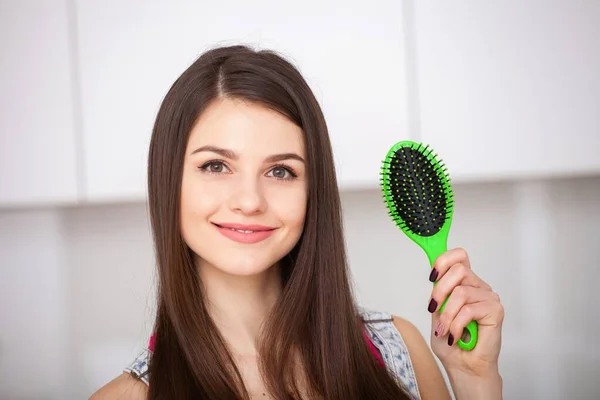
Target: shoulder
429,377
414,340
123,387
406,353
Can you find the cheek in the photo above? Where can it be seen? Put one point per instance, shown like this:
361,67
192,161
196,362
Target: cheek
197,202
289,206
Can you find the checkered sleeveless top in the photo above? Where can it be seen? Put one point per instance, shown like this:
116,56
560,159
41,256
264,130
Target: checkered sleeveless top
383,338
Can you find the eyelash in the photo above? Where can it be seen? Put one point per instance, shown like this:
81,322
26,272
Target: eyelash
205,168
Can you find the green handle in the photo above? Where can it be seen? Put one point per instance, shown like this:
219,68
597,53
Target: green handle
434,249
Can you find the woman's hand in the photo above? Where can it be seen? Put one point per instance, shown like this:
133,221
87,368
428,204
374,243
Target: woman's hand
471,299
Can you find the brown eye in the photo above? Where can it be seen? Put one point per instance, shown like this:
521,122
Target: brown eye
283,173
279,172
214,167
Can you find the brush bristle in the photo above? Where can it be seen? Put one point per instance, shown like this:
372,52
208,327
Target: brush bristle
417,184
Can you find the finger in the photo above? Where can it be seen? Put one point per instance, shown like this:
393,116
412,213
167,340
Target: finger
466,273
485,313
460,297
448,259
458,275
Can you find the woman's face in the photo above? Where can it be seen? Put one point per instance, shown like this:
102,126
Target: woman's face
244,188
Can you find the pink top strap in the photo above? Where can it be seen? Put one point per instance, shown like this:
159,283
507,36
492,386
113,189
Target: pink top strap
374,349
151,343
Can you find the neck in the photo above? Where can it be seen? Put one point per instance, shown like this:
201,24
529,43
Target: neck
240,304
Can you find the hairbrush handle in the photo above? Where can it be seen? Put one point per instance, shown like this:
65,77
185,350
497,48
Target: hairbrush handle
434,250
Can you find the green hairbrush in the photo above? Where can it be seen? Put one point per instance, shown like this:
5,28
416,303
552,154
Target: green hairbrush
417,192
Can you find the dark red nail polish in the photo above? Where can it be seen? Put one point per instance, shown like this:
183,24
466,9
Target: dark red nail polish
439,329
433,275
450,339
432,305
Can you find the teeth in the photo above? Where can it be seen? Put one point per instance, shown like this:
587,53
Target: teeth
241,231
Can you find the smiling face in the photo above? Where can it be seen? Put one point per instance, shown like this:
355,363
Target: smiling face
244,187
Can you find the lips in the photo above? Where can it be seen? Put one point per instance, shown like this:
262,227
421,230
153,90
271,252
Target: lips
244,233
242,227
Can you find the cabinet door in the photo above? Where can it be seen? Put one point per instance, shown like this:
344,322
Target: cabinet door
510,91
351,54
37,134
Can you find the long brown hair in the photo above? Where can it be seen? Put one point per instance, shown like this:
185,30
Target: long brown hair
315,320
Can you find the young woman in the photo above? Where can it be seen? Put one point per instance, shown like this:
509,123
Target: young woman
254,298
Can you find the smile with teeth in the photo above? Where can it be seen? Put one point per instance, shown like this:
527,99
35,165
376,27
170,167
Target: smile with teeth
244,230
245,233
239,230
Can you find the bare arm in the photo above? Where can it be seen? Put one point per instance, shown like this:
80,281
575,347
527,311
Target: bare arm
429,377
123,387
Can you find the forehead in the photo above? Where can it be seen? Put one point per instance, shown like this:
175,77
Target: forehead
246,127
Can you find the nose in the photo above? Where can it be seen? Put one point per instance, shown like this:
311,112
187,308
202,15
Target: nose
248,197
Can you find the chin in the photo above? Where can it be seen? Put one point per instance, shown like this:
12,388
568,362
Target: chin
245,269
242,266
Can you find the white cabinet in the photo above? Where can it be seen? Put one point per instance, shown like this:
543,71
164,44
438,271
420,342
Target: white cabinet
37,134
498,91
510,90
351,53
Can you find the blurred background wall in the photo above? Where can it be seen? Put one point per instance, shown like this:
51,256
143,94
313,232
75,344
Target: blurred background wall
506,92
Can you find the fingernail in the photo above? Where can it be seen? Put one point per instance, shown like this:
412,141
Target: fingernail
433,275
450,339
432,305
439,329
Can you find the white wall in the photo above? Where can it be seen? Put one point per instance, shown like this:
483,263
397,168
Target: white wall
76,285
34,329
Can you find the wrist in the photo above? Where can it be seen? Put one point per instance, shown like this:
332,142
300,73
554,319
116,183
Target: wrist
466,386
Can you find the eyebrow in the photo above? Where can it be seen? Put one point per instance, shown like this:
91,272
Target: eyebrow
233,156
